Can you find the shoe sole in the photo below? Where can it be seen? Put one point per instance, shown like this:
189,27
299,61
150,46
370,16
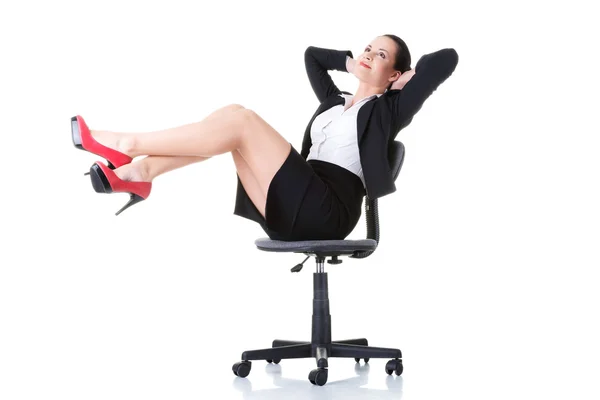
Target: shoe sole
76,134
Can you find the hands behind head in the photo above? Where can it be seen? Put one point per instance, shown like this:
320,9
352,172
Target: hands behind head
404,78
397,85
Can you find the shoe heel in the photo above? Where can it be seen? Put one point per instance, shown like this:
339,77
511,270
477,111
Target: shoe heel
133,200
105,180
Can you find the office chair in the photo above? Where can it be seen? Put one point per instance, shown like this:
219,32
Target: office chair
321,346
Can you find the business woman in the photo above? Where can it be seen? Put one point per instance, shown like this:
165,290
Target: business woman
317,194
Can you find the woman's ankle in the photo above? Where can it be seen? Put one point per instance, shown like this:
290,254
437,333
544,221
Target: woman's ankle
137,171
126,144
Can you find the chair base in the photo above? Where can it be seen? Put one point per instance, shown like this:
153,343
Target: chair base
321,347
352,348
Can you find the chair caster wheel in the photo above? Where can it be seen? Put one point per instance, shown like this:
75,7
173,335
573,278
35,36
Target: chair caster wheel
318,376
394,366
358,360
274,361
242,368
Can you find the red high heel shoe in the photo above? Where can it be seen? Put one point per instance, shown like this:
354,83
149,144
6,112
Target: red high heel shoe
83,140
104,180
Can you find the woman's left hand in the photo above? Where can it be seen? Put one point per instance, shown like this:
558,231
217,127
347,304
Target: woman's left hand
404,78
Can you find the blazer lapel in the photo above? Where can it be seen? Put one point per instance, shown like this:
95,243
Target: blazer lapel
329,102
363,118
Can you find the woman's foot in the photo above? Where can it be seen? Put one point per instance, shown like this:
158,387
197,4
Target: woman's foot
134,172
125,179
116,141
117,149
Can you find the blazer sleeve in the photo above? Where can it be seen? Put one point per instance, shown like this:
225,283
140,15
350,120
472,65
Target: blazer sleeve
318,61
431,70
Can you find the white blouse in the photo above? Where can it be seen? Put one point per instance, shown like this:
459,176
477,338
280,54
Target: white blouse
334,136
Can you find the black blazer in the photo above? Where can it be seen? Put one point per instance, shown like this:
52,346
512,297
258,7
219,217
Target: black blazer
379,119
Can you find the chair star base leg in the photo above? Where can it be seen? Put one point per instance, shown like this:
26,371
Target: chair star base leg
358,351
279,353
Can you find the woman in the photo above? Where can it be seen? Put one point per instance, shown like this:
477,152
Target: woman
313,195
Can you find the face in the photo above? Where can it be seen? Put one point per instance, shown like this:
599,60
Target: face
379,55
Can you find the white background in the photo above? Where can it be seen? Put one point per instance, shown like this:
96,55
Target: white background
486,272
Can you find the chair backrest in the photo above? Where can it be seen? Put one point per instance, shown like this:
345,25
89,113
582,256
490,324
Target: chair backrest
396,158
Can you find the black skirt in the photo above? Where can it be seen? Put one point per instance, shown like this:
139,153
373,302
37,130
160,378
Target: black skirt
306,200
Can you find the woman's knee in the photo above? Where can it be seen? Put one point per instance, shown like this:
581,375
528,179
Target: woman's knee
234,107
245,118
224,111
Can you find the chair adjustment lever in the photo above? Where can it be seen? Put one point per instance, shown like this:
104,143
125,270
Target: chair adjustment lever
298,267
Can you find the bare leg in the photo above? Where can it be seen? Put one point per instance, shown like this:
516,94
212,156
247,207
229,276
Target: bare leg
206,138
258,150
249,182
150,167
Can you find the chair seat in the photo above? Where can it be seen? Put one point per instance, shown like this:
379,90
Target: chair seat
320,247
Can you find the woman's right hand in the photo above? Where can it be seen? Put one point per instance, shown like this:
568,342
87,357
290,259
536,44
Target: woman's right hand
350,62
